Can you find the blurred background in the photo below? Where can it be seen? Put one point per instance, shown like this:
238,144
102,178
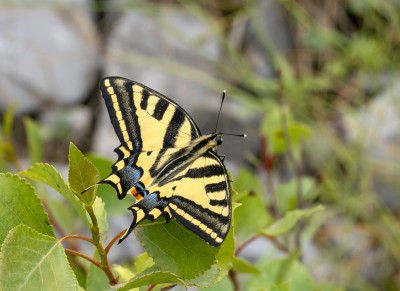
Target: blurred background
314,84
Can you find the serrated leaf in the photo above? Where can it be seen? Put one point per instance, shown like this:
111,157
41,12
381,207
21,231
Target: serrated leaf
154,277
222,266
19,204
289,220
82,175
34,260
175,249
48,175
251,218
35,142
241,265
101,215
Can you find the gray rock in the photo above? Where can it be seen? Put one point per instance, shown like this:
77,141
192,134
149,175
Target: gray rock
46,57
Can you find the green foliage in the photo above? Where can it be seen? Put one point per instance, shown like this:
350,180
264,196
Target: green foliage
173,247
113,206
289,220
81,175
35,141
48,175
19,204
307,159
34,260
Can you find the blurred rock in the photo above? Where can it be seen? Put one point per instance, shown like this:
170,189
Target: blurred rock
377,127
47,57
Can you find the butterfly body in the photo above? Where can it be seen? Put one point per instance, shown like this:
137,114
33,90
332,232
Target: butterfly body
165,163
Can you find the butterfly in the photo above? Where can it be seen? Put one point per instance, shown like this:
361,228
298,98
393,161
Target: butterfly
165,162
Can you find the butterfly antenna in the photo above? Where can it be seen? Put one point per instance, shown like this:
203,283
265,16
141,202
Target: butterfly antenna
219,112
234,134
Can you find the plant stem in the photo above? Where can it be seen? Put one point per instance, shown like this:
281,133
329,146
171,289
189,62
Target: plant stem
105,266
234,279
98,264
76,236
112,242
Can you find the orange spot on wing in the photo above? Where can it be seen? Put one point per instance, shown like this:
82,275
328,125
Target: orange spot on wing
135,193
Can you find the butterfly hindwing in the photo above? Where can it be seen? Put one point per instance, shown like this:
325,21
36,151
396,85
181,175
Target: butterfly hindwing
201,201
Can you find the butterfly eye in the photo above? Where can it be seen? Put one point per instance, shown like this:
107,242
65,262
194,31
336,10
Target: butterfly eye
219,139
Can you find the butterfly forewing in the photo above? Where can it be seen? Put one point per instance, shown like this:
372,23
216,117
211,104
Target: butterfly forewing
144,120
165,163
132,106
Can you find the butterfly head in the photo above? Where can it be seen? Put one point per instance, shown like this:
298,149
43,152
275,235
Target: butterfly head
219,139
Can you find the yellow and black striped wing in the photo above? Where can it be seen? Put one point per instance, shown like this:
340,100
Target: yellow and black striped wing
201,200
146,122
165,163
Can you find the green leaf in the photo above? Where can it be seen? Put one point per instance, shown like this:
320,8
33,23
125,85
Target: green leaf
34,260
152,277
246,181
224,284
143,262
8,120
284,286
96,279
82,175
101,215
243,266
251,218
175,249
270,277
114,206
222,266
35,142
19,204
47,174
289,220
297,132
124,274
286,193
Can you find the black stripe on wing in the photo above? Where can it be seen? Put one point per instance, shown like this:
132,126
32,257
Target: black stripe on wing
210,221
118,96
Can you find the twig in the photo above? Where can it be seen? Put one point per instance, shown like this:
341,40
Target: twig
234,279
245,244
98,264
76,236
112,242
99,246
